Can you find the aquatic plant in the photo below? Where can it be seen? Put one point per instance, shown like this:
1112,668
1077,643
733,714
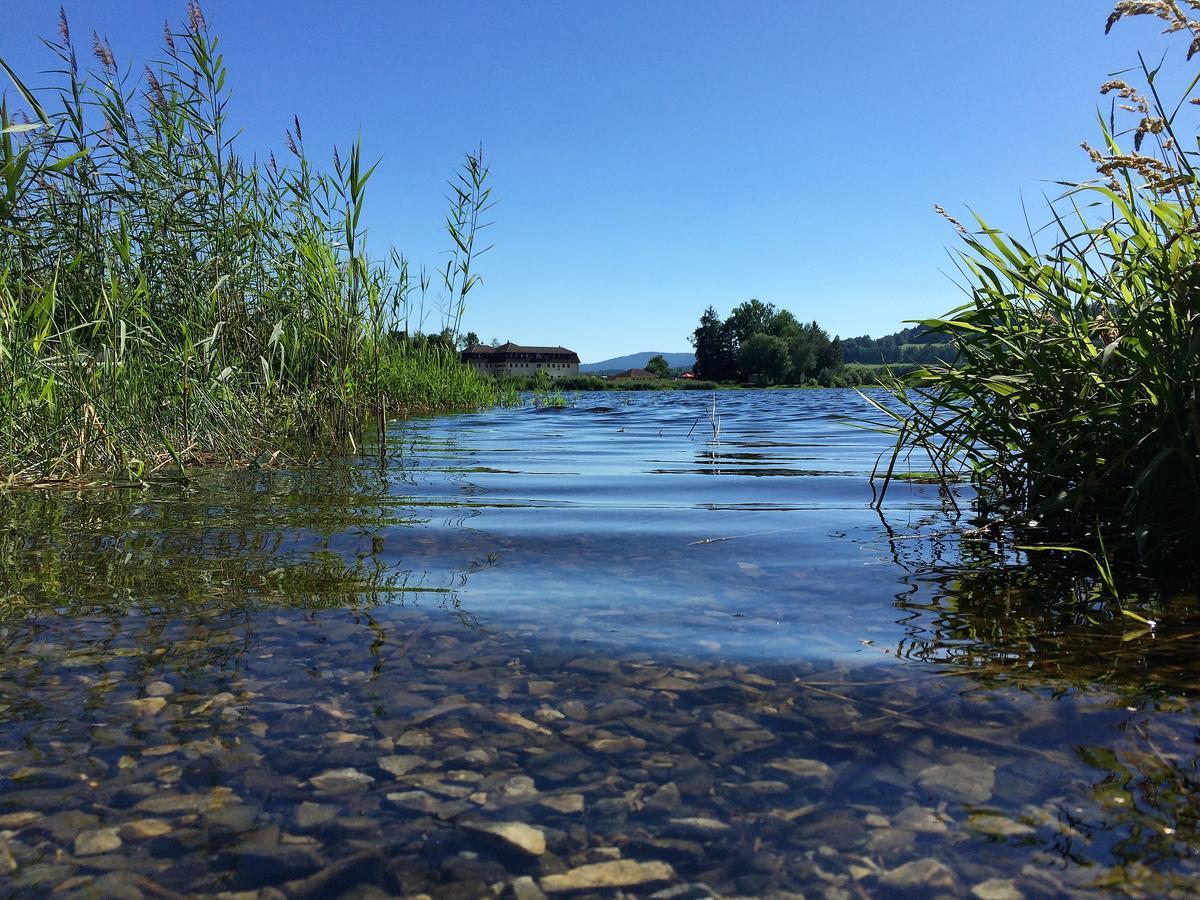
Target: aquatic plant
165,300
714,422
552,399
1074,397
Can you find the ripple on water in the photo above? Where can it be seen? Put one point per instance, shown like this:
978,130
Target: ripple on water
576,653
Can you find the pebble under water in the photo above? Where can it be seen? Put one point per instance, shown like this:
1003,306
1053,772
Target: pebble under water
579,652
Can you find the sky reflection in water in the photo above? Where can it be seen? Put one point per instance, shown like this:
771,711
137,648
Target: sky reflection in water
797,695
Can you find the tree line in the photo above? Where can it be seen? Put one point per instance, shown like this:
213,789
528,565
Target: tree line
757,342
909,345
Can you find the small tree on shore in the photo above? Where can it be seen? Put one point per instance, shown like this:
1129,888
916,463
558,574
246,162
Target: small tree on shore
659,367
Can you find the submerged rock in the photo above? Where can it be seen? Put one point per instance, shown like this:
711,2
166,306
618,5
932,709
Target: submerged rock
186,803
999,826
600,665
115,886
701,891
480,756
233,818
617,745
692,776
145,829
519,787
920,820
516,835
700,825
762,787
312,815
97,840
666,799
400,765
360,869
523,888
563,803
558,765
433,783
618,709
66,824
418,801
18,819
519,721
965,782
890,842
727,721
147,706
614,874
805,769
344,737
415,739
920,875
335,780
674,684
997,889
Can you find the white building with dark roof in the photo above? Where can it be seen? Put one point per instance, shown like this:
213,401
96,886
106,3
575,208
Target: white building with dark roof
514,360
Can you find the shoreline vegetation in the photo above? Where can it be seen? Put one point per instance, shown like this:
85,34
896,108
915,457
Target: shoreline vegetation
727,355
855,375
1073,404
600,383
167,301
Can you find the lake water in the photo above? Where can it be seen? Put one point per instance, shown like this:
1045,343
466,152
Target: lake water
576,651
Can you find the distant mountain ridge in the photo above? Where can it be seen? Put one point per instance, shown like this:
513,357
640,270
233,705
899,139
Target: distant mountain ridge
639,360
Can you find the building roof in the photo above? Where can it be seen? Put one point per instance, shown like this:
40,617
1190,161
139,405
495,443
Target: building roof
635,373
510,347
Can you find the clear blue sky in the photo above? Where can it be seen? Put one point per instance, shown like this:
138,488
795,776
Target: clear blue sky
652,158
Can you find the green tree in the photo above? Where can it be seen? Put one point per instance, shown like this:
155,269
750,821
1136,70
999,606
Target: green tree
659,367
784,325
802,355
828,353
767,356
444,339
716,358
748,319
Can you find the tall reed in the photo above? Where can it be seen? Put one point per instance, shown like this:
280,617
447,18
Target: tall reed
1075,396
164,299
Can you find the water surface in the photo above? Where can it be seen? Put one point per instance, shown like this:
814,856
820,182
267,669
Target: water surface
687,661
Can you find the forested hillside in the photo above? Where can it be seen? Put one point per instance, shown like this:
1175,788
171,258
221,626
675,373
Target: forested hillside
910,345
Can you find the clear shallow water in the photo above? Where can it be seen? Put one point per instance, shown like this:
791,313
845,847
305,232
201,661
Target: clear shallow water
684,662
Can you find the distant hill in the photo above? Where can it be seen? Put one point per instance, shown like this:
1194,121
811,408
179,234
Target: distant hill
638,361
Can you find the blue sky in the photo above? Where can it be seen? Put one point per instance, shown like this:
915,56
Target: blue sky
652,158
